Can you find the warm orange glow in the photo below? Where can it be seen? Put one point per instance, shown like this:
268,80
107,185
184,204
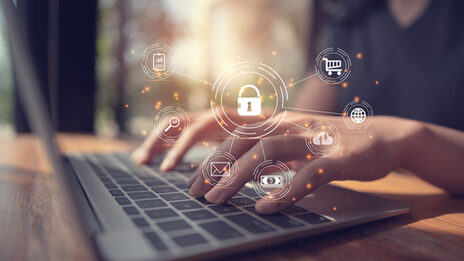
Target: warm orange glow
334,208
356,98
158,105
359,56
309,186
293,199
254,156
126,106
274,53
132,51
205,143
344,85
205,181
144,133
320,171
308,156
377,82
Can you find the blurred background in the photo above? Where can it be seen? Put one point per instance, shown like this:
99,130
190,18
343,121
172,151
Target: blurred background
111,96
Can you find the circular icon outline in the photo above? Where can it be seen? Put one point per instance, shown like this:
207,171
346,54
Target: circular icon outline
321,65
314,131
168,54
260,129
208,164
256,181
181,115
358,104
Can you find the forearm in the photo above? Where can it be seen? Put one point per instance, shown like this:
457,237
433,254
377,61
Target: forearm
436,154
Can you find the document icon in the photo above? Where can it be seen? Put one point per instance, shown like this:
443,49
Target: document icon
159,62
219,168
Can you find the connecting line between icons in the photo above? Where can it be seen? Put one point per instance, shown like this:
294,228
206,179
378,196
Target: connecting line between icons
314,111
296,124
193,78
231,144
200,118
262,148
302,80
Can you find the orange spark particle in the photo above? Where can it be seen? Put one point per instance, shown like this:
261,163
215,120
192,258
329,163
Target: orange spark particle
126,106
274,53
205,143
344,85
309,186
356,98
205,82
308,156
377,82
293,199
205,181
147,89
307,125
254,156
334,208
340,154
192,165
158,105
370,137
132,51
320,171
359,56
144,133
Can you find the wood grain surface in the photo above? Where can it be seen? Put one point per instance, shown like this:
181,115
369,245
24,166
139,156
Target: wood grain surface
35,223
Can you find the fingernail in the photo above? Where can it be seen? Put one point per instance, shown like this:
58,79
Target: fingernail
214,196
197,189
166,164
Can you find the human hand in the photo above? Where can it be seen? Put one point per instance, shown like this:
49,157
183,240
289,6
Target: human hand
363,156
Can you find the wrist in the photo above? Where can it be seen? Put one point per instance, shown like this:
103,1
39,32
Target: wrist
409,143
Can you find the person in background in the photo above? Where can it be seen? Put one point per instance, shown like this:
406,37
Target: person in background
409,63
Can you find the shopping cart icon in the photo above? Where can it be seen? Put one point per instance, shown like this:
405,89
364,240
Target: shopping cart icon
333,66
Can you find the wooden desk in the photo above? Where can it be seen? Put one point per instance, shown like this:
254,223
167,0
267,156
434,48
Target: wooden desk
34,224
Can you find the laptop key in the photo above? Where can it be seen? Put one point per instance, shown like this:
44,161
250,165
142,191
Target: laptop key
130,181
203,201
116,193
154,183
141,195
131,210
183,205
199,214
155,240
123,201
130,188
242,201
278,219
292,209
173,196
161,213
189,240
249,192
173,225
110,185
224,209
150,203
221,230
251,224
312,218
163,189
140,222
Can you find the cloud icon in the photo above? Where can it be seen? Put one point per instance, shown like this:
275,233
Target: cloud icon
323,138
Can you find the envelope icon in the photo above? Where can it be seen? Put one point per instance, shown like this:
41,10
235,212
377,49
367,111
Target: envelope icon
219,168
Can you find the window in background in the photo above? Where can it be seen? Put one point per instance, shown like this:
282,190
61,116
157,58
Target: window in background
6,89
207,36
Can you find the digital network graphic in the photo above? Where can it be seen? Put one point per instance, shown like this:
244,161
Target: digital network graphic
250,101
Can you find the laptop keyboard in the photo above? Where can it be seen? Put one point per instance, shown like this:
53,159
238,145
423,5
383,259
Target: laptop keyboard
160,206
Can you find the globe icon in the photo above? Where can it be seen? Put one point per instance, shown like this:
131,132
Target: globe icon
358,115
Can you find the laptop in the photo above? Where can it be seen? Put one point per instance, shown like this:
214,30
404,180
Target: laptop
130,212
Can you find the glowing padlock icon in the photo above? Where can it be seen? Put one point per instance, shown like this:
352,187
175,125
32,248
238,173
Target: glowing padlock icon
249,106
